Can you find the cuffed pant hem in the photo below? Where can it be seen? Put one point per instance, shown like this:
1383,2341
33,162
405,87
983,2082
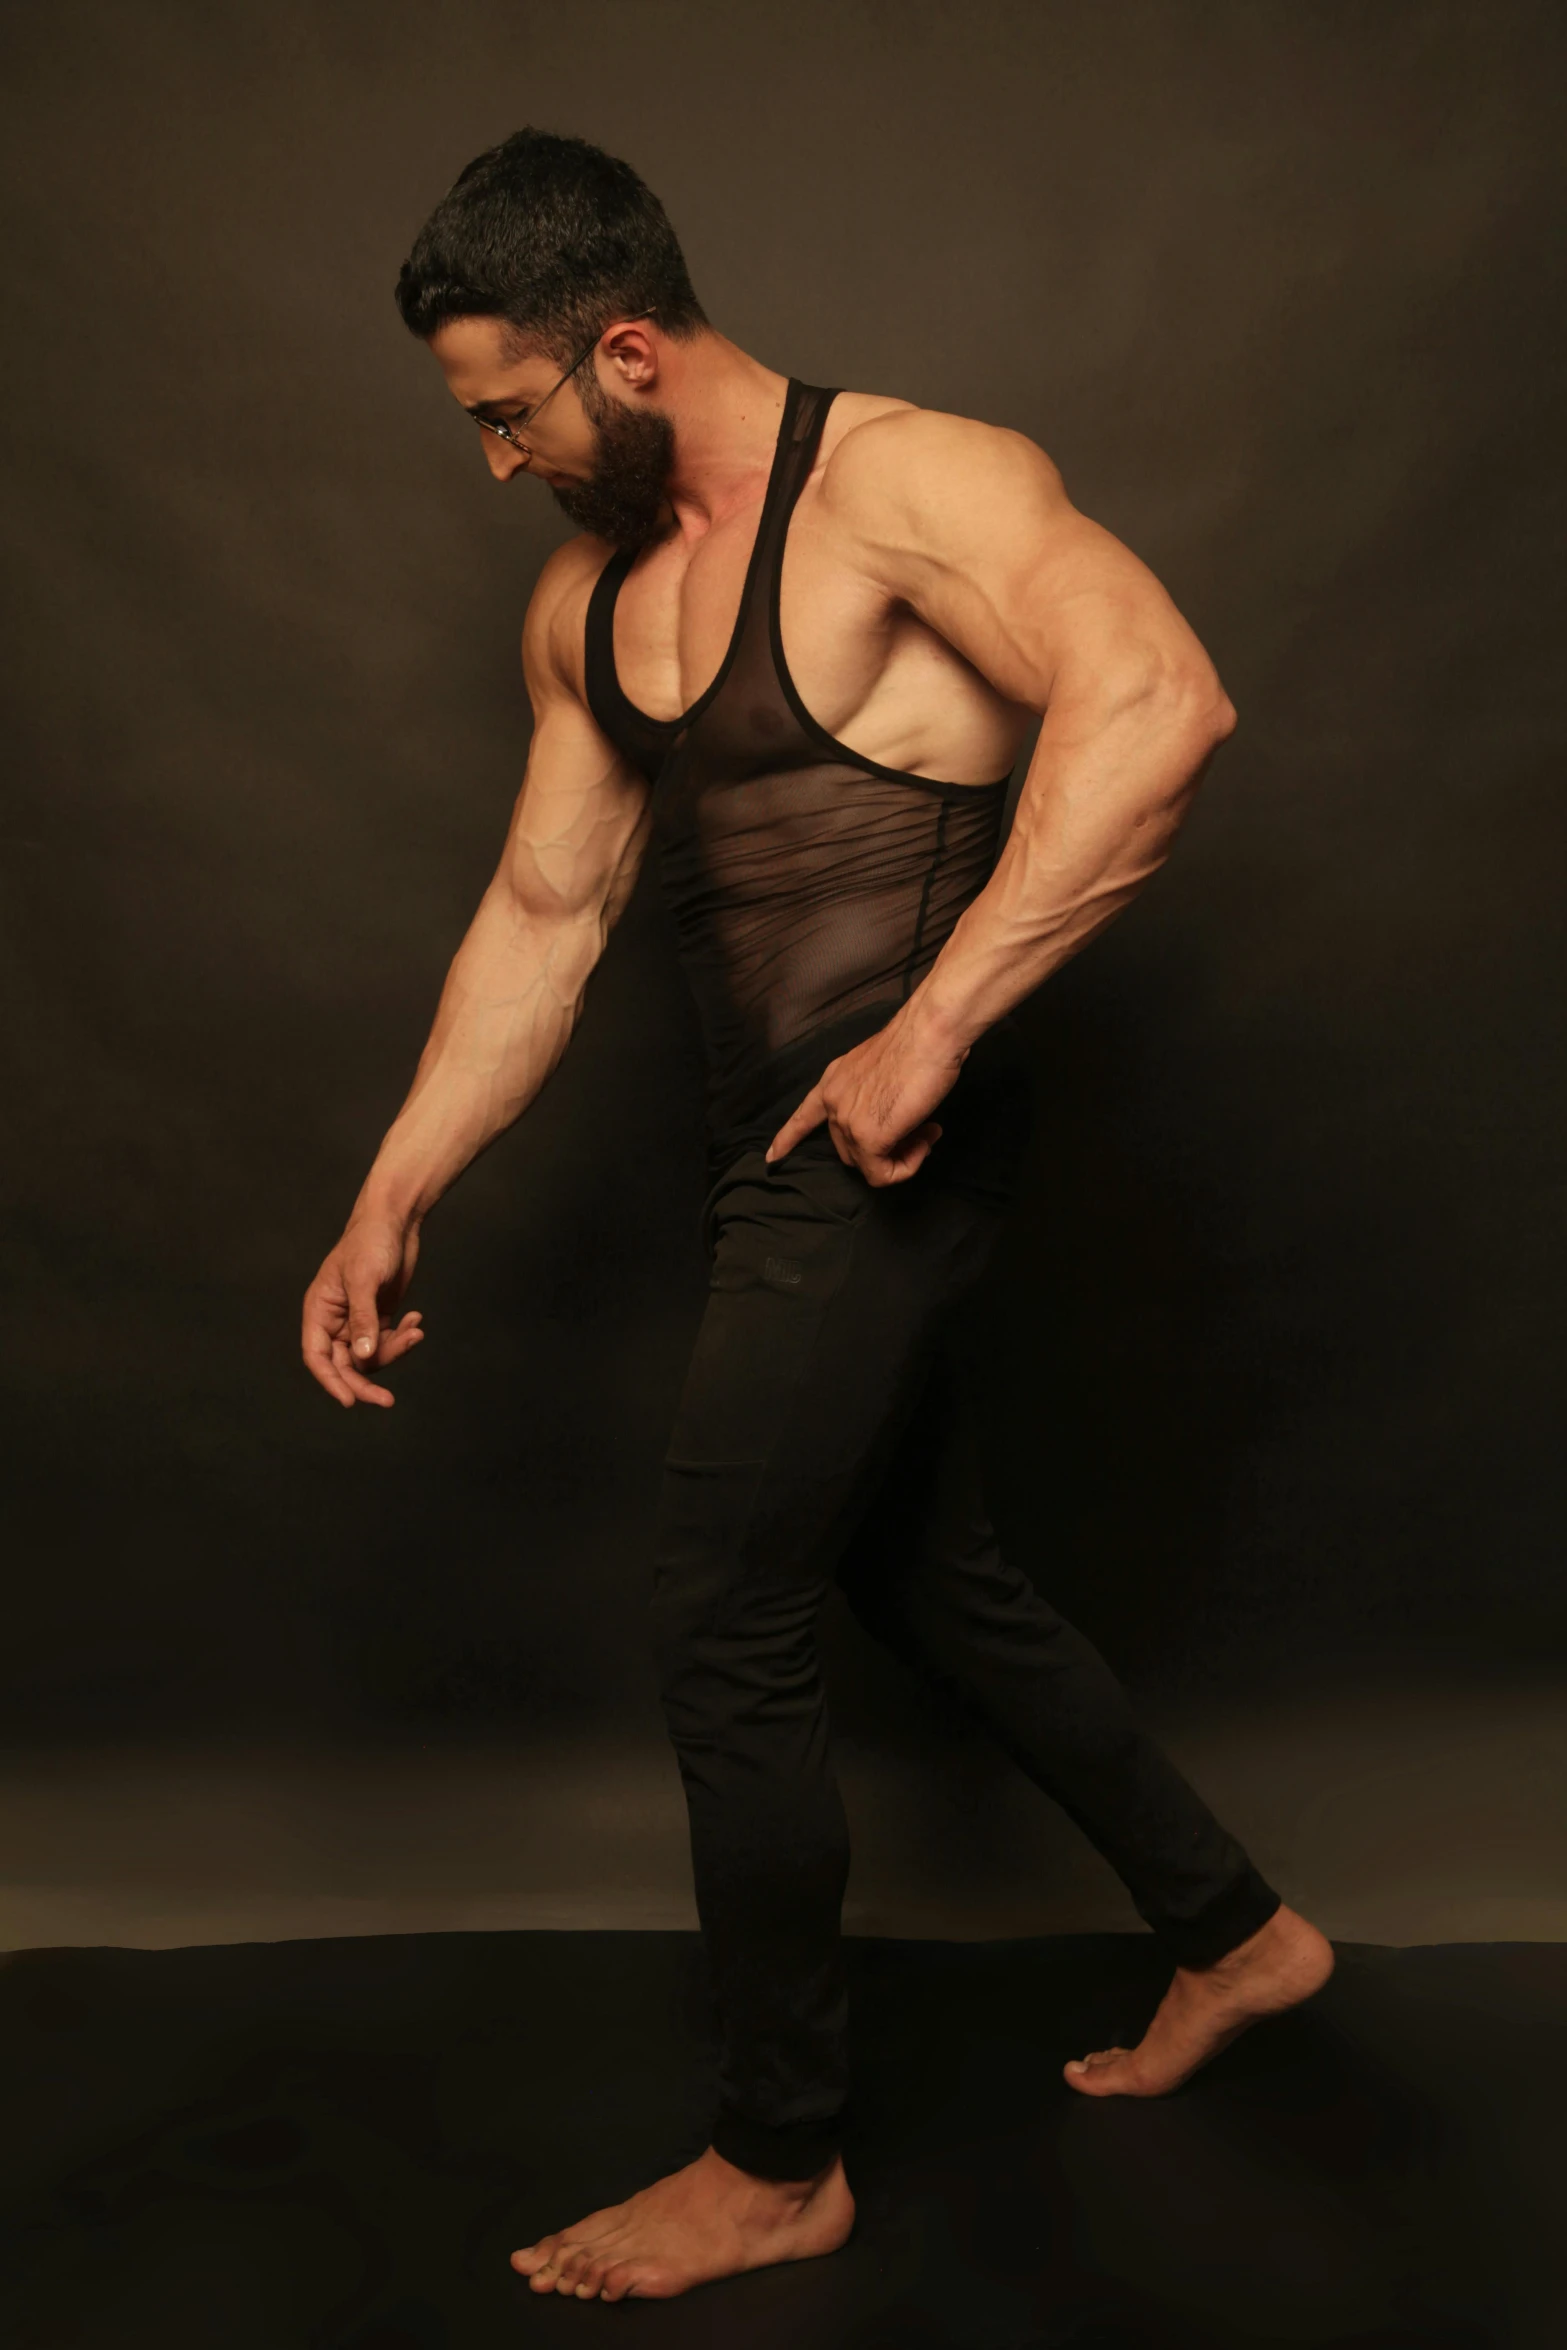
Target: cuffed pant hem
1240,1911
796,2150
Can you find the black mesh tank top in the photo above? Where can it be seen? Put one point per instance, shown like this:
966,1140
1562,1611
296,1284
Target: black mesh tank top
811,889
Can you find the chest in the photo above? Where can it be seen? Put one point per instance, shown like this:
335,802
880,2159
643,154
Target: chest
677,610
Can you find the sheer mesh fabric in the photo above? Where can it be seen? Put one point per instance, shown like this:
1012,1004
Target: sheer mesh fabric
810,889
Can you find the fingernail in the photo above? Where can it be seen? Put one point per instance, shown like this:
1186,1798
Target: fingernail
364,1346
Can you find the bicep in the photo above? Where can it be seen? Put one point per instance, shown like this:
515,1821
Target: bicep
977,535
580,826
581,822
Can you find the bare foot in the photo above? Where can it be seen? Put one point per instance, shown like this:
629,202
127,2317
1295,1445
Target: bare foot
708,2220
1206,2008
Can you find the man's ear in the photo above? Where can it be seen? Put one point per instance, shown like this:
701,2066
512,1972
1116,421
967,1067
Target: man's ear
631,350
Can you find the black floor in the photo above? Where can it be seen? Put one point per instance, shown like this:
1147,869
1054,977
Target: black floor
333,2145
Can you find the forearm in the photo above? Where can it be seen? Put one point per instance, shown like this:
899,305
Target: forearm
511,1000
1098,812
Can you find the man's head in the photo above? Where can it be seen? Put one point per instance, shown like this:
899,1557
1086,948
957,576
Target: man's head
548,256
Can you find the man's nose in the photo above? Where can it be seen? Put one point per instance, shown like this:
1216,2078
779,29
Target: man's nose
502,459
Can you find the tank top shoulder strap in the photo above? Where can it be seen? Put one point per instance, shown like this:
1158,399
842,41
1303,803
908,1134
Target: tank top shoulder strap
801,437
644,741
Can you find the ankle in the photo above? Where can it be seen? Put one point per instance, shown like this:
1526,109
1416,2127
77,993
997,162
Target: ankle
1263,1940
783,2194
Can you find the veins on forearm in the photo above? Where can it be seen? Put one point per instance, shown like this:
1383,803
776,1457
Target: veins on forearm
1081,848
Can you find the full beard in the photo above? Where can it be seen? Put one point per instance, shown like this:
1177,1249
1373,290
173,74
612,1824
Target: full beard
623,499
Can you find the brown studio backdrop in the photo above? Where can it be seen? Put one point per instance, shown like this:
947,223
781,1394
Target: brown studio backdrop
1273,1353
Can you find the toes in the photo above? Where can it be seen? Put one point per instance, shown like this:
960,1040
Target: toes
625,2280
1096,2073
540,2263
580,2268
552,2252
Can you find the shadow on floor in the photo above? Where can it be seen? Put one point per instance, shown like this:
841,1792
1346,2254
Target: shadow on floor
333,2145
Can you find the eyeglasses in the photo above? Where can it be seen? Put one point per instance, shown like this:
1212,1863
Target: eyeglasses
509,432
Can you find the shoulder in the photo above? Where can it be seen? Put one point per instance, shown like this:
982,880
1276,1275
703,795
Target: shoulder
893,467
552,632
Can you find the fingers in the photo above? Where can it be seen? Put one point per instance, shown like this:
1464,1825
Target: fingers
364,1320
914,1150
321,1321
316,1348
345,1379
810,1115
396,1343
343,1336
360,1389
905,1158
879,1166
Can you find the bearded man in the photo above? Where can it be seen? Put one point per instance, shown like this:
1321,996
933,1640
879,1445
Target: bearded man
800,638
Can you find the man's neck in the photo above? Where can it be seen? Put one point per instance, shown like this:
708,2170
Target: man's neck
725,408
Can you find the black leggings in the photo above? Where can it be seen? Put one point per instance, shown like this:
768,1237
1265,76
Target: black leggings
819,1434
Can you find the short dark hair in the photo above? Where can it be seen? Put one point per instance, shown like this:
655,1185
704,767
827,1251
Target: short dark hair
555,237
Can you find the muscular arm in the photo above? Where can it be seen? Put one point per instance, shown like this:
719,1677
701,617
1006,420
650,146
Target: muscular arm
970,527
511,1000
515,989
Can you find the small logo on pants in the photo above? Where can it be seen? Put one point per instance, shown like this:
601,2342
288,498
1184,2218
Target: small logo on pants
784,1269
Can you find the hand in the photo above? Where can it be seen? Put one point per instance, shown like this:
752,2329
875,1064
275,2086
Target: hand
877,1100
347,1327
